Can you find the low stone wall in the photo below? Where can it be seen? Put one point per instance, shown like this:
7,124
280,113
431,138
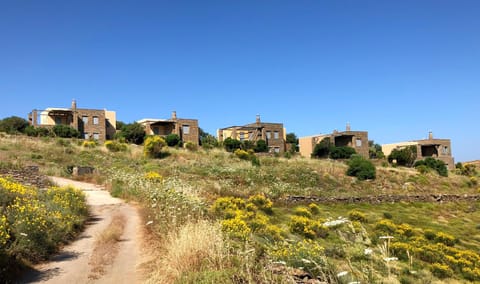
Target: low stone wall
29,176
383,199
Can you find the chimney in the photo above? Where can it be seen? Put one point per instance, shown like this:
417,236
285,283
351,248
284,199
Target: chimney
348,126
258,119
430,135
74,105
174,115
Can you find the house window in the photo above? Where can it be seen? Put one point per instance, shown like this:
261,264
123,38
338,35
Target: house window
269,135
358,142
242,136
445,150
95,120
156,130
86,136
85,120
58,120
96,136
276,135
186,129
276,149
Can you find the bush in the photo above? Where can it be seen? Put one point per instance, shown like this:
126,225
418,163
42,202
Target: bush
361,168
322,149
445,239
116,146
153,146
65,131
343,152
89,144
405,156
261,146
132,133
13,124
356,215
302,211
431,163
231,144
314,208
191,146
242,154
173,140
441,270
307,227
262,202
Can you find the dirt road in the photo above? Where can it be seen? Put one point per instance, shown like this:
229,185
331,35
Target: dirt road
79,261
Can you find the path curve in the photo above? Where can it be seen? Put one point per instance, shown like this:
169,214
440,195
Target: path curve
72,265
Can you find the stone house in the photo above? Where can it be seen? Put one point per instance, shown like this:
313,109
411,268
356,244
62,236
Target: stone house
273,133
358,140
91,123
187,129
440,149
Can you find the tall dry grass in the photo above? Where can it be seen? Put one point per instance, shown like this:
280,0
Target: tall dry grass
194,247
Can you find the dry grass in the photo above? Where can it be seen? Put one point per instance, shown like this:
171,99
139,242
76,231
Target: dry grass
106,246
194,247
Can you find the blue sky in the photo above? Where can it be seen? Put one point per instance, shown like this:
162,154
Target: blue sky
397,69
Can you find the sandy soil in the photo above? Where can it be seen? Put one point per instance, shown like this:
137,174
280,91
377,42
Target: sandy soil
74,263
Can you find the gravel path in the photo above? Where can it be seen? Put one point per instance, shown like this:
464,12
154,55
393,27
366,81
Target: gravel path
74,263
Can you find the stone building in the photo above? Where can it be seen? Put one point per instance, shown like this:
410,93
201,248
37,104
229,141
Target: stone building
187,129
91,123
273,133
358,140
440,149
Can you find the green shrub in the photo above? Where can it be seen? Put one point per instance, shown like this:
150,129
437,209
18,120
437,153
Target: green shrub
65,131
242,154
361,168
172,140
314,208
153,146
343,152
445,239
262,202
231,144
431,163
115,146
132,133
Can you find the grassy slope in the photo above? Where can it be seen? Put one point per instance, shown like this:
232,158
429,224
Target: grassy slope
213,174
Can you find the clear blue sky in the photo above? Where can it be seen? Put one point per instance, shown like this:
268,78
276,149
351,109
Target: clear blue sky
397,69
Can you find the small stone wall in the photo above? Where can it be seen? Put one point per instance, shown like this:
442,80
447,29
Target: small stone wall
29,176
383,198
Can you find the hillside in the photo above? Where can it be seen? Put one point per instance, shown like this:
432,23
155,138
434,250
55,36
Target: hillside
217,218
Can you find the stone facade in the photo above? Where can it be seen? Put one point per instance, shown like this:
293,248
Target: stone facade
187,129
273,133
91,123
440,149
358,140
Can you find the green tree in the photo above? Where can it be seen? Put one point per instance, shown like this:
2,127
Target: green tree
132,133
375,150
173,140
247,145
231,144
261,146
120,124
207,140
322,149
293,141
13,124
361,168
405,156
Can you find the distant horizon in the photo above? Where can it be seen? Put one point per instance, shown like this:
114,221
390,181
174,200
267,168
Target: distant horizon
397,69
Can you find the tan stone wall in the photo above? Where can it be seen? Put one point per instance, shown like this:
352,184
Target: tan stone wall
89,129
193,133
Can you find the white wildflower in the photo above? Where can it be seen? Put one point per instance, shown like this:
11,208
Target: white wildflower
341,274
388,259
149,223
368,251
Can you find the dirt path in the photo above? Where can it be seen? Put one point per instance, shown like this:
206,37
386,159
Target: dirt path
78,262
